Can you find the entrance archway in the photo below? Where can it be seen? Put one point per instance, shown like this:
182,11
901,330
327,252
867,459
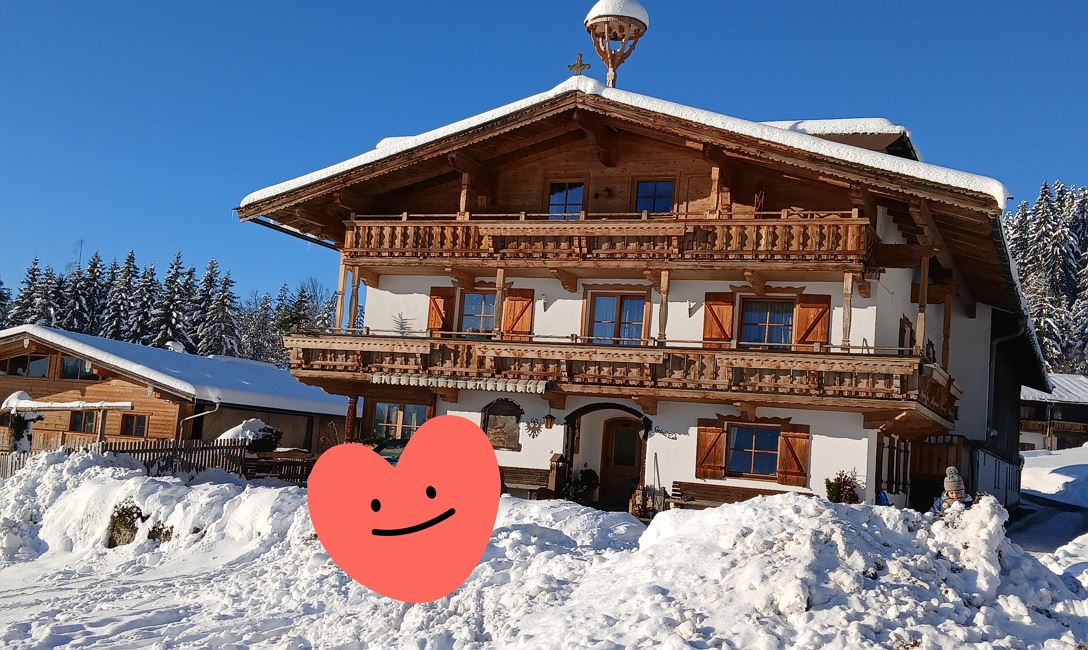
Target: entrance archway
573,431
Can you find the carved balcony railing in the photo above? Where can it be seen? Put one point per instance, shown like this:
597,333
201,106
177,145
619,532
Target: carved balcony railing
827,378
788,235
1054,426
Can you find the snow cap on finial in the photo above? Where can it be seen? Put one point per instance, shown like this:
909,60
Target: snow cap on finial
631,9
616,27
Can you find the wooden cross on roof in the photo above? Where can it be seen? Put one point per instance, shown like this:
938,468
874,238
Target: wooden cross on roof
578,67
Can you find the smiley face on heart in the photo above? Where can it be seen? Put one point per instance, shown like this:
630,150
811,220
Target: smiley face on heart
416,531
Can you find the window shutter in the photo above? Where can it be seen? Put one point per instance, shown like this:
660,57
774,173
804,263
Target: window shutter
517,315
440,316
812,320
793,455
710,453
718,319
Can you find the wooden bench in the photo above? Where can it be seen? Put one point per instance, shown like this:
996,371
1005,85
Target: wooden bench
524,479
706,495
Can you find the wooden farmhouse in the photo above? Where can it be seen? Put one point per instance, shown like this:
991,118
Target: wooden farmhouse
1055,420
679,300
173,395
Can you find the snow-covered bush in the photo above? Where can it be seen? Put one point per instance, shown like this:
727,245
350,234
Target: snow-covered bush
842,489
261,437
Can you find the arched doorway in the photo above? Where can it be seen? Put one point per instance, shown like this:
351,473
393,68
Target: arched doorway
605,443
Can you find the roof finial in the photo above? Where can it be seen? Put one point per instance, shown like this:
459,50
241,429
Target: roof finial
578,68
616,27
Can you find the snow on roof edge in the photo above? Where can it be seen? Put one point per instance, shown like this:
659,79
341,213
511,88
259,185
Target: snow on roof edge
842,126
590,86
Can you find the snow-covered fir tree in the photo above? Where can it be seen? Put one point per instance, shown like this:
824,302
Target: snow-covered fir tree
117,311
1049,240
21,306
146,295
170,312
5,304
219,328
202,300
96,287
260,340
74,314
43,306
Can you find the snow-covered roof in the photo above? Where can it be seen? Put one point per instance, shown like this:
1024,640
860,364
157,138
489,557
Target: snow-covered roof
1068,389
228,380
845,126
625,8
803,140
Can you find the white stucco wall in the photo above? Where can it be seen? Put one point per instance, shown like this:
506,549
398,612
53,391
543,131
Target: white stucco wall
536,453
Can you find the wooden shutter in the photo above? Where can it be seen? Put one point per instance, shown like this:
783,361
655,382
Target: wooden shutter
517,314
812,320
440,316
710,453
793,455
718,311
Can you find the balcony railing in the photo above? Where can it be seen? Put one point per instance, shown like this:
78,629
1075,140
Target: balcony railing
681,367
787,235
1054,426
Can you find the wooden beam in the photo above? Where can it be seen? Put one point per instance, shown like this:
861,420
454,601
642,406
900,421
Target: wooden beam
500,300
663,315
936,294
900,256
341,289
448,395
864,287
566,278
479,177
747,410
349,419
847,307
556,399
923,301
647,404
353,308
923,218
602,138
370,278
879,419
863,199
758,282
465,280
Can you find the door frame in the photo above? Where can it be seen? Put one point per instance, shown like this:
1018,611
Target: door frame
607,442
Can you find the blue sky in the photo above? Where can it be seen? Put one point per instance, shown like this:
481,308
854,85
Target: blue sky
142,124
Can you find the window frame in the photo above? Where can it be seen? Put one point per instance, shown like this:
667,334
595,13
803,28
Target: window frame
728,445
742,344
93,416
461,311
673,203
502,407
567,216
135,416
398,424
29,356
91,375
589,313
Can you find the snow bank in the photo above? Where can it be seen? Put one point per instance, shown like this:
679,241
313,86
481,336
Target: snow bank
1058,475
244,568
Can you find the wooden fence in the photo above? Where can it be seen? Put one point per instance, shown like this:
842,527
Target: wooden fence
172,456
11,463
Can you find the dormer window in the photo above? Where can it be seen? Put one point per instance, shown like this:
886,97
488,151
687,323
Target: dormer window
73,368
654,196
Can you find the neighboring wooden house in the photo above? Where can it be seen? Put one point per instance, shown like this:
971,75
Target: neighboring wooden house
691,300
175,395
1055,420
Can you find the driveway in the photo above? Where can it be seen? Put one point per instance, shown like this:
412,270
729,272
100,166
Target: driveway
1042,525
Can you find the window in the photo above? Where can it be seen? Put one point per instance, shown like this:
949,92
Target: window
477,312
617,319
566,201
32,366
81,422
752,450
767,323
73,368
133,425
397,419
654,196
501,421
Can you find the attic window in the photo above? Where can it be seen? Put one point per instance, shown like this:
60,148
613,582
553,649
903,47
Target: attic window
31,366
566,201
73,368
654,196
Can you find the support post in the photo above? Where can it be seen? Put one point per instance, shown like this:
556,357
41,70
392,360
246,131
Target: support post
947,330
341,287
353,313
101,426
923,301
349,419
847,308
500,298
663,315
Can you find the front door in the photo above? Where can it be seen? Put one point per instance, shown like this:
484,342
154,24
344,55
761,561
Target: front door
621,453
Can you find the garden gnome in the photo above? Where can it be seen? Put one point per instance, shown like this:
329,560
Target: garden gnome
953,492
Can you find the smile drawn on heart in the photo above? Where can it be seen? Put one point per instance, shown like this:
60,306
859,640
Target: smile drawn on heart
381,532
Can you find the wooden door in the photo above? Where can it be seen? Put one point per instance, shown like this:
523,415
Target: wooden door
621,454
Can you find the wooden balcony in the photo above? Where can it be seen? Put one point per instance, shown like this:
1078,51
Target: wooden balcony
538,239
1054,426
682,371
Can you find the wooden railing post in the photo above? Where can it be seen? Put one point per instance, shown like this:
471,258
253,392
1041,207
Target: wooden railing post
349,419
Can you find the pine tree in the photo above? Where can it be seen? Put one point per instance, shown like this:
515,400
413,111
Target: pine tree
5,304
260,340
73,298
169,312
43,306
202,302
96,288
219,327
145,297
21,307
117,312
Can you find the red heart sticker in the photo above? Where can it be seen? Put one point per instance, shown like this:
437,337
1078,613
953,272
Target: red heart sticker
413,532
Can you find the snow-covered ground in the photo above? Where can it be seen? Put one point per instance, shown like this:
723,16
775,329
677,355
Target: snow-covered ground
242,567
1058,475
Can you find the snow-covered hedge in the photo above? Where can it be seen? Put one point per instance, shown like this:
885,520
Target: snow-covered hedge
243,567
